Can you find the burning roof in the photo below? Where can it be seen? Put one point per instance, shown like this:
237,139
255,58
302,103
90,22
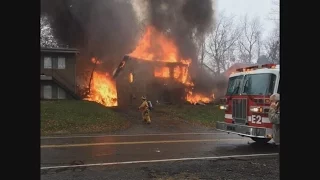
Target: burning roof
158,50
127,58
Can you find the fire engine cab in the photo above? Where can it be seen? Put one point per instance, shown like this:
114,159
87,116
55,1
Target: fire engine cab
246,103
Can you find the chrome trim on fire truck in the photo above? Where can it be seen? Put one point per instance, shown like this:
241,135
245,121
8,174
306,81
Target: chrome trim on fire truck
239,110
243,130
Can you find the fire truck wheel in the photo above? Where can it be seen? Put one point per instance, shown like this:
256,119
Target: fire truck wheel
261,140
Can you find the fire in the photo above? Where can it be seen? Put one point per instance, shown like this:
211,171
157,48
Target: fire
181,74
103,90
130,77
158,47
194,98
163,72
155,46
95,61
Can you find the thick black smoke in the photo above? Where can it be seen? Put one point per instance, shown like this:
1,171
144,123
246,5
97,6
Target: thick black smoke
106,29
109,29
186,21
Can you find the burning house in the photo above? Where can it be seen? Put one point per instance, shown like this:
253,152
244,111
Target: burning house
155,69
160,81
161,61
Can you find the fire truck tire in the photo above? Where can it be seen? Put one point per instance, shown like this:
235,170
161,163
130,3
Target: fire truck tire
261,140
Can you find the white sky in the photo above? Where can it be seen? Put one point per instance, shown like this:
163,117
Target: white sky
260,8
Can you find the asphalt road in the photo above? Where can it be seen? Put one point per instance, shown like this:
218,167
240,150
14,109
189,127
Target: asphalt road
216,156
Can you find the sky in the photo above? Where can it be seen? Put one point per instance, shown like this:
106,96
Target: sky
260,8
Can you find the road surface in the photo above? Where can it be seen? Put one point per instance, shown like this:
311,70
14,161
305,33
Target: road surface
157,156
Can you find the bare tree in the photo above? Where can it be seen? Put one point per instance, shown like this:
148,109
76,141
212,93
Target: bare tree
274,14
272,46
250,39
259,44
46,37
201,43
221,43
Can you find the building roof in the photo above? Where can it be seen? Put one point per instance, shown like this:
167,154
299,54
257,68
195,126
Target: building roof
60,50
126,58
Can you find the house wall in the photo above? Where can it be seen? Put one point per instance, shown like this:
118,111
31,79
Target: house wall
67,76
56,91
145,84
130,93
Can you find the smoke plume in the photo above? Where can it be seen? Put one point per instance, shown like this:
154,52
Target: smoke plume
109,29
102,28
186,21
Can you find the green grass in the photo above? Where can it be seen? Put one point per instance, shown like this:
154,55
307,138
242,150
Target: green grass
78,117
205,115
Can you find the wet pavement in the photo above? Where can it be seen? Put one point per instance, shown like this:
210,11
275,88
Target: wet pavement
236,169
92,150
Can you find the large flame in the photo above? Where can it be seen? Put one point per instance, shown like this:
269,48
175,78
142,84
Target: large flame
102,88
195,98
153,46
163,72
156,46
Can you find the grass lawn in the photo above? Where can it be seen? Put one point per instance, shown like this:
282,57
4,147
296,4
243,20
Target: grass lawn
67,117
205,115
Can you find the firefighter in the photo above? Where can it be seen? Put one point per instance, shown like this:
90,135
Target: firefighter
144,108
274,116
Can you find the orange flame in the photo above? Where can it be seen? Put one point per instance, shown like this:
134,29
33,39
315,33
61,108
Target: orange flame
103,89
194,98
95,61
130,77
155,46
181,74
163,72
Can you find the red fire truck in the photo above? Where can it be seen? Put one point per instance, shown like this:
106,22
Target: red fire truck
246,103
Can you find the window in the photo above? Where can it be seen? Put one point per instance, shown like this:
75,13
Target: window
47,92
54,63
278,88
61,93
259,84
234,85
47,63
61,62
131,78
